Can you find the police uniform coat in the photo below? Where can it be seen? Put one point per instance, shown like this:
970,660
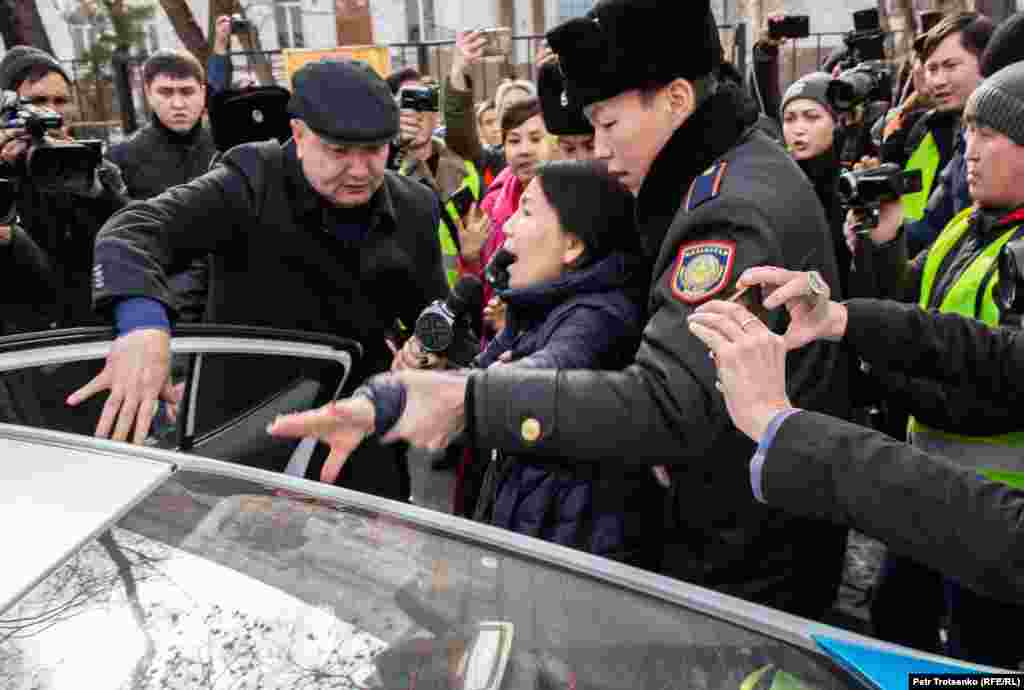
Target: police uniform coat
752,207
933,510
282,259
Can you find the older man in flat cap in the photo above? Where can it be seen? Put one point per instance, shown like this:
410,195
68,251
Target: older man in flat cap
313,236
714,196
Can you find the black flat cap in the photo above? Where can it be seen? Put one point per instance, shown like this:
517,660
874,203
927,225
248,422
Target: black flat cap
622,45
344,102
561,117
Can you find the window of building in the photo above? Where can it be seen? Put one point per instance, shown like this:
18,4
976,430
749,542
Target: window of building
289,24
568,9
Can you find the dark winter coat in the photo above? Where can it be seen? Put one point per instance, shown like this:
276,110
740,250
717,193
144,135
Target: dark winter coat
935,511
153,160
584,320
283,258
664,407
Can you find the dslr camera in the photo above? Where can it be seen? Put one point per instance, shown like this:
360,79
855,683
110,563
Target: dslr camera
48,165
1008,293
865,190
422,99
866,43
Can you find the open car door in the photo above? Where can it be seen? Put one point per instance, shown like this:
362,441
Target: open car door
235,380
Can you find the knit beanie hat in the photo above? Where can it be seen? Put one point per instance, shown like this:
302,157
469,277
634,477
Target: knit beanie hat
999,102
1005,47
813,86
20,59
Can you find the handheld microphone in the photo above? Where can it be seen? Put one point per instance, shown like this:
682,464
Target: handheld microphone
436,326
496,271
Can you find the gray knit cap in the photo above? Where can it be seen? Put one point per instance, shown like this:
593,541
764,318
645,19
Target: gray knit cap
999,102
813,86
18,60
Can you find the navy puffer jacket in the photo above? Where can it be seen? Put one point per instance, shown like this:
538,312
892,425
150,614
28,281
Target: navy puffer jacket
583,320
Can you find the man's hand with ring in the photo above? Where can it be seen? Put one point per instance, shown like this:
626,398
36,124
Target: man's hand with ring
751,363
805,295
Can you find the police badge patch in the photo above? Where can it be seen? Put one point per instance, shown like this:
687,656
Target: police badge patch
702,270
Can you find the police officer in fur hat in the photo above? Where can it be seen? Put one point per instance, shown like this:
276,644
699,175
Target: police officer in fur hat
566,122
315,235
714,197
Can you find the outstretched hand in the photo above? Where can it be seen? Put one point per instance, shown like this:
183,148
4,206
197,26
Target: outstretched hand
137,374
341,425
433,416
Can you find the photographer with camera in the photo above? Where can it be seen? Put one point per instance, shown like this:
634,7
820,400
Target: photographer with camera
951,52
957,274
59,192
424,157
55,194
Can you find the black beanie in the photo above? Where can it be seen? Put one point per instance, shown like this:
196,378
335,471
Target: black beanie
560,117
999,102
1005,47
20,59
813,86
622,45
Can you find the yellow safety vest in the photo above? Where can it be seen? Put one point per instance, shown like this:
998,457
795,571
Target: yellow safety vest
978,280
449,247
452,222
926,158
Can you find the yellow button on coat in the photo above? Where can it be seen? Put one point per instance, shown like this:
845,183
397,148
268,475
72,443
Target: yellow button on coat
530,430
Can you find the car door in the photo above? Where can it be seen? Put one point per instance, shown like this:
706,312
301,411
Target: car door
234,381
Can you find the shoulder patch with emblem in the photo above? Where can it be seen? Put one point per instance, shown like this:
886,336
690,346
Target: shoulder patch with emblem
707,186
702,270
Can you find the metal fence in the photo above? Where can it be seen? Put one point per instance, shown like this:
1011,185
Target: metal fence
100,112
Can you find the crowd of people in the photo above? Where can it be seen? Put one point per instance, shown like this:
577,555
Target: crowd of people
662,369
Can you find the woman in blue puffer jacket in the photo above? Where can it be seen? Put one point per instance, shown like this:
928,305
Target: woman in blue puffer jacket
570,246
571,263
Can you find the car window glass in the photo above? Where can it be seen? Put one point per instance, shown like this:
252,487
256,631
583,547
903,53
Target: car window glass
222,583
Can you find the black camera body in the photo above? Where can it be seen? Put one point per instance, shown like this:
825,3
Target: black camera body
861,189
240,25
865,83
790,26
48,165
866,43
422,99
1008,293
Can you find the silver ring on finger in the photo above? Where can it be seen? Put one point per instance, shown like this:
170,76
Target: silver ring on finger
750,320
816,284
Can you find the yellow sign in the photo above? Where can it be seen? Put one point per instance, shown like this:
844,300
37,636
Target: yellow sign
378,57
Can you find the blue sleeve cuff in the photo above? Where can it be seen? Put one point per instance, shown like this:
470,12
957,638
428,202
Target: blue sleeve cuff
136,313
757,462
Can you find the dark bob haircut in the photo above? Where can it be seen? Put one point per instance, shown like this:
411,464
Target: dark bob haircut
516,114
591,205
